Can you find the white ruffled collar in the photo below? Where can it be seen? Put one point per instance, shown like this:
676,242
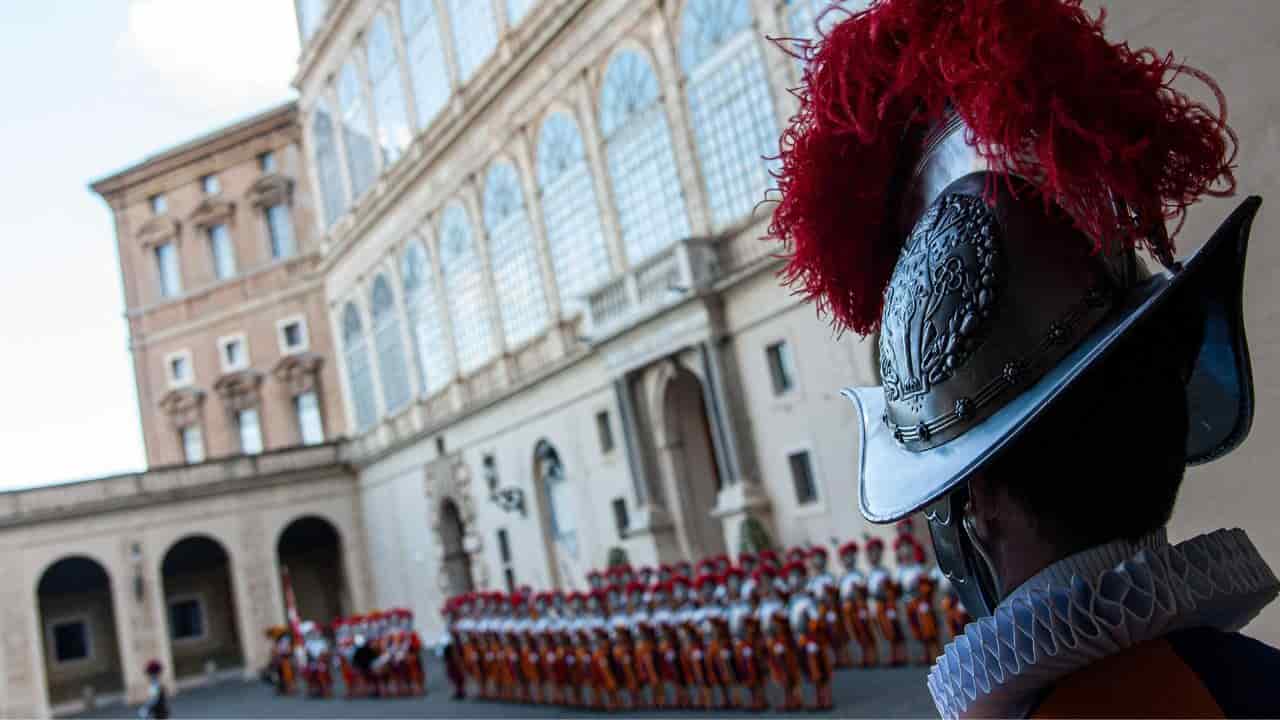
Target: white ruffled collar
1094,604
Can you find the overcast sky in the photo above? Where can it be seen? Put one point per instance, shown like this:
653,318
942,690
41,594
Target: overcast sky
92,86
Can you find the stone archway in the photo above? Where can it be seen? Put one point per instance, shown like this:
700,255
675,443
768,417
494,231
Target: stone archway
200,607
81,647
310,548
457,562
687,459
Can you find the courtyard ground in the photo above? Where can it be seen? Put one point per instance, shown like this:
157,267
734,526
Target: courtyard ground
898,692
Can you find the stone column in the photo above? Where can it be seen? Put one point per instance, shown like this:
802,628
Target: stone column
651,517
253,589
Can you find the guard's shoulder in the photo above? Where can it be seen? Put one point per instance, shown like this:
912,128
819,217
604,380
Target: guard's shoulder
1239,671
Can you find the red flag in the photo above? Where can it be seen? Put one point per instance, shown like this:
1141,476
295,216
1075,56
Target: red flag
290,605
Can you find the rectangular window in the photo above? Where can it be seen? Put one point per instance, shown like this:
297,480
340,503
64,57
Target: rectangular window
267,162
781,368
179,370
186,619
235,356
504,546
802,477
167,269
510,576
192,444
158,204
210,185
224,257
310,426
280,231
621,520
605,431
70,641
250,431
293,336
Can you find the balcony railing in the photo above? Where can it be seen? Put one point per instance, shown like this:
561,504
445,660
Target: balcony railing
689,266
170,482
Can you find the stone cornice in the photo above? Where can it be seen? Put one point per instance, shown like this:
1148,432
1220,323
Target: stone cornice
159,230
279,117
211,211
270,189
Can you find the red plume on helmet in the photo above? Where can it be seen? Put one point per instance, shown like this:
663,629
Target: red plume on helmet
1096,127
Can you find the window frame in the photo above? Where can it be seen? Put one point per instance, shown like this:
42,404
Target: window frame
282,339
182,444
162,285
777,370
604,432
267,162
176,383
818,503
621,516
262,441
297,418
158,204
210,185
286,208
212,242
199,599
84,619
226,340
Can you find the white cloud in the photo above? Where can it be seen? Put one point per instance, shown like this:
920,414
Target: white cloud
228,55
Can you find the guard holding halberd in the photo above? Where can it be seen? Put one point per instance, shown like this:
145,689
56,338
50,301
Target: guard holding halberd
971,179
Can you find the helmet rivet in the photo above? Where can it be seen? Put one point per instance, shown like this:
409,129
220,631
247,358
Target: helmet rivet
923,431
964,408
1011,372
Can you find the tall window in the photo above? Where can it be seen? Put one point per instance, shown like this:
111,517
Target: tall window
428,71
310,425
167,270
310,16
423,306
464,290
224,256
782,369
504,554
328,171
642,166
558,494
516,277
386,330
475,35
570,211
517,9
250,427
355,130
280,231
192,444
159,205
388,94
732,112
359,371
802,479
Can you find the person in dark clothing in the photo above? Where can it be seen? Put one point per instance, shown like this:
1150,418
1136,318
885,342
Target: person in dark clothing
157,705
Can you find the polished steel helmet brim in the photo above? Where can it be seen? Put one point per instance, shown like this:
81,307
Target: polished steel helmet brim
896,481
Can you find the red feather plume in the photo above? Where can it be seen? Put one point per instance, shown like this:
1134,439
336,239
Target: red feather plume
1045,96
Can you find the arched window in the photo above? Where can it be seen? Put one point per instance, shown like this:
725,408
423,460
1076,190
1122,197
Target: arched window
642,166
561,505
570,212
464,290
388,94
359,371
386,336
730,106
355,130
515,262
423,306
475,34
310,16
517,9
428,71
328,171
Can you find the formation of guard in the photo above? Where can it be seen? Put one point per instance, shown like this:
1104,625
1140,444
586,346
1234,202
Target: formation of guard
715,636
378,654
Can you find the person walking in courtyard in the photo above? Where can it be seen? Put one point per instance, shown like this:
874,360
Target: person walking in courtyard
156,706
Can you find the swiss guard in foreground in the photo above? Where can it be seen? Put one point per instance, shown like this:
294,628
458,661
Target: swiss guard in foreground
971,180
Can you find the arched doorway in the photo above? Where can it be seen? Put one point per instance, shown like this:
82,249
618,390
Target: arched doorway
200,607
78,631
457,564
691,463
311,549
558,510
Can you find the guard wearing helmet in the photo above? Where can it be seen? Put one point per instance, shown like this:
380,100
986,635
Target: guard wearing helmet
972,179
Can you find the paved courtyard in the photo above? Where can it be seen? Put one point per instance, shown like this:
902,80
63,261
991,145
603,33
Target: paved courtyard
858,693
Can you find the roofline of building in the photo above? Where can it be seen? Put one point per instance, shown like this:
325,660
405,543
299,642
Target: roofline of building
191,150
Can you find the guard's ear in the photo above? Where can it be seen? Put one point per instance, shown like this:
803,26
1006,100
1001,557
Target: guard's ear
984,501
